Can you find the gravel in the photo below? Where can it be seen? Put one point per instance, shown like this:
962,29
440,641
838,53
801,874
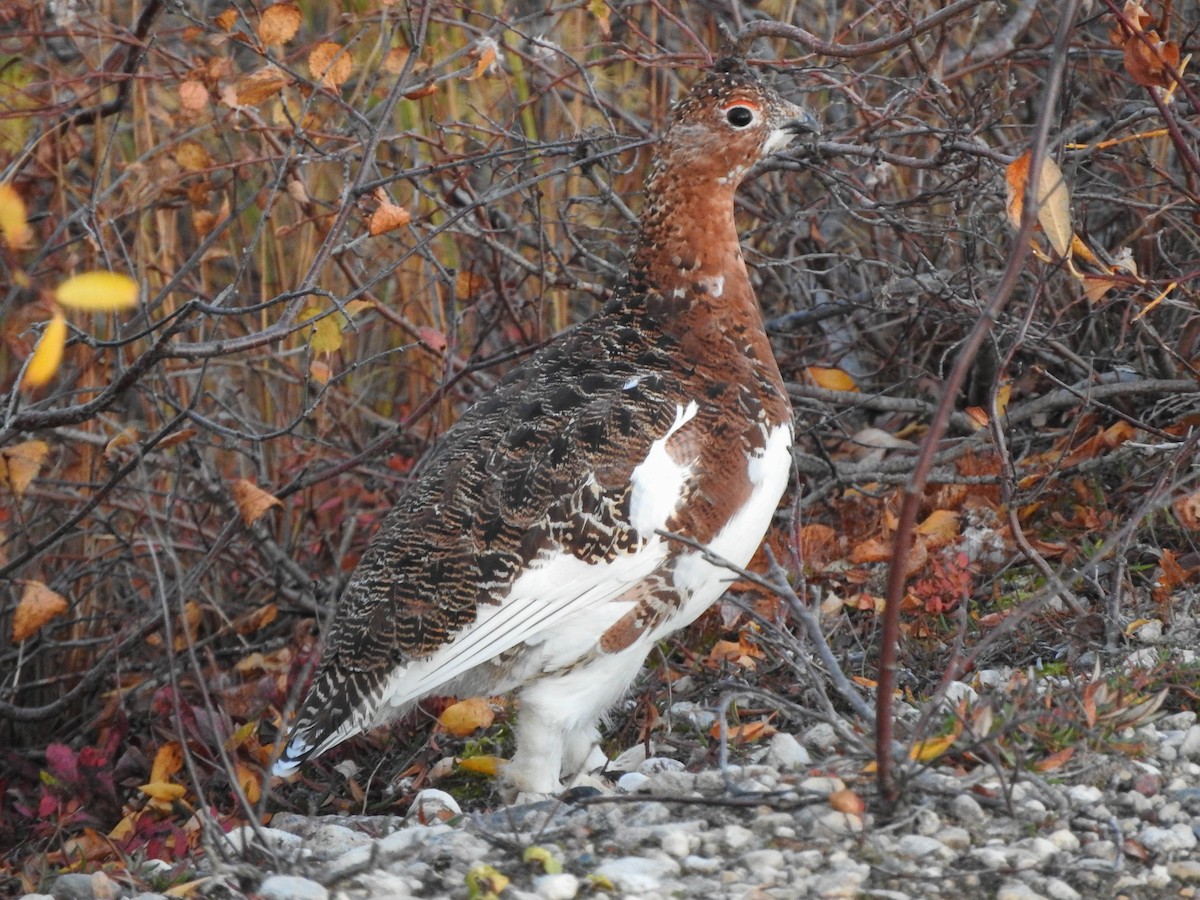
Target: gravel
802,823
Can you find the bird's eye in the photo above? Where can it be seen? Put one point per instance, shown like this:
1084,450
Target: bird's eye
739,116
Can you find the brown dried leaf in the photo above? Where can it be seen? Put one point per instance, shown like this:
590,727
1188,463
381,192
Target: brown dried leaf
192,156
330,65
20,464
38,606
1187,510
1096,286
252,501
388,217
1148,66
259,86
847,801
1053,199
467,285
279,23
226,20
394,62
193,95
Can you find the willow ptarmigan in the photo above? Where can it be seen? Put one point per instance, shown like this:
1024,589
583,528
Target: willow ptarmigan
529,553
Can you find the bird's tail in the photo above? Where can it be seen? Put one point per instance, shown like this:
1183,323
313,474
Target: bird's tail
337,708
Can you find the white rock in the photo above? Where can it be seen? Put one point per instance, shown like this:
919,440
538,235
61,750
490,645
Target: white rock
1017,890
331,841
838,823
1100,850
918,846
637,874
245,837
954,837
990,857
957,691
821,785
1065,840
1189,747
632,782
1158,877
1184,869
1084,795
629,760
735,837
560,886
432,806
675,843
844,882
1168,840
291,887
762,860
701,865
656,765
785,752
821,737
967,809
699,717
1057,889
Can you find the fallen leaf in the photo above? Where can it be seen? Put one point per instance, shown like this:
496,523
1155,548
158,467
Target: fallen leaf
1054,760
98,292
162,791
48,354
941,526
847,801
167,761
252,501
925,751
746,733
484,765
39,605
227,19
467,716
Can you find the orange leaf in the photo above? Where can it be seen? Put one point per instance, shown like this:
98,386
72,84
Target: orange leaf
1187,510
394,62
467,716
1054,760
330,64
249,780
746,733
227,19
1052,196
847,801
252,501
279,23
20,464
193,95
485,57
831,379
467,285
432,338
38,606
388,217
1096,286
14,226
48,354
259,86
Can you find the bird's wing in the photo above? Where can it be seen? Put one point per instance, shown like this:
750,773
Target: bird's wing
540,504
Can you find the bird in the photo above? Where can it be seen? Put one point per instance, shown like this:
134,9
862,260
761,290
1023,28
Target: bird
537,548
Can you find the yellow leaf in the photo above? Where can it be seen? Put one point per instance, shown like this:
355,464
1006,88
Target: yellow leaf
746,733
326,334
162,791
98,292
188,888
941,524
1096,286
48,354
13,224
124,828
252,501
38,606
20,463
249,781
924,751
279,23
484,765
192,156
466,716
830,379
542,857
1053,200
485,882
126,437
485,55
330,64
167,761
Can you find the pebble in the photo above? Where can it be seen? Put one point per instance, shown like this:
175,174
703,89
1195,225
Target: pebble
291,887
1168,840
785,752
637,874
967,810
559,886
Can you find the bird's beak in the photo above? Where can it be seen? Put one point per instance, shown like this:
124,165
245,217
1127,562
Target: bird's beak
802,122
